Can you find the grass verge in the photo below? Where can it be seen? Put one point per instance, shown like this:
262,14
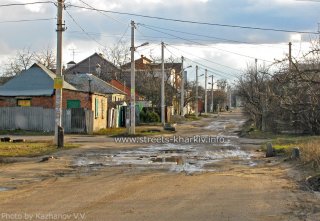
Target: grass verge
309,147
30,149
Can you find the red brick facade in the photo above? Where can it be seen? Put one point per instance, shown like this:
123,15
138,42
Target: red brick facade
49,102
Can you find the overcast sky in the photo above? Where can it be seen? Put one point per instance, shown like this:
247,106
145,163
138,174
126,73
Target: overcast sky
225,51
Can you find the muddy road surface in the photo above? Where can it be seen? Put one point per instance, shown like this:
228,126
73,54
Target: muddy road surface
202,172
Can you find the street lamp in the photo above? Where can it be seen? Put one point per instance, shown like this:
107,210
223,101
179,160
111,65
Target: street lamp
133,82
182,90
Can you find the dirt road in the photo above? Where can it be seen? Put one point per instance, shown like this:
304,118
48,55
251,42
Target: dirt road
179,180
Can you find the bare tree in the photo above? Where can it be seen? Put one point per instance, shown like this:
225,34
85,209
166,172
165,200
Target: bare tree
46,57
252,89
118,54
22,60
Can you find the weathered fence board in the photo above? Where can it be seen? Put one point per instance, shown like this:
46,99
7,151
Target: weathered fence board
40,119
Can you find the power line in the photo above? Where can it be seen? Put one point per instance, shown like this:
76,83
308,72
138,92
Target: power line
207,67
89,36
93,8
197,22
24,4
231,52
308,1
27,20
206,59
124,34
206,36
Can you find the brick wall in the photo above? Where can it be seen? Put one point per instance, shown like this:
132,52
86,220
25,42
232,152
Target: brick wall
45,102
84,97
49,102
7,102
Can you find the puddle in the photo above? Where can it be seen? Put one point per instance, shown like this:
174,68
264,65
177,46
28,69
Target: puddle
174,157
170,157
3,189
223,125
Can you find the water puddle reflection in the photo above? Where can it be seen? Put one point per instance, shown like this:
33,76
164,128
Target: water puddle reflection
171,157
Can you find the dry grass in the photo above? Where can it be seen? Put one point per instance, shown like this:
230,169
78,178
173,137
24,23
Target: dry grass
309,148
310,153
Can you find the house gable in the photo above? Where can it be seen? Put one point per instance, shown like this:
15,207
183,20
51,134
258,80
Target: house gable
97,65
36,81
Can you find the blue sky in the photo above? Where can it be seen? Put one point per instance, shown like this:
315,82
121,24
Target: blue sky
213,53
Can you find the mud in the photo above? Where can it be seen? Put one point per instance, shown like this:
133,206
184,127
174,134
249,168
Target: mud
112,181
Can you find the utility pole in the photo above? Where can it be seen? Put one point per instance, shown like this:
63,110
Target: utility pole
290,57
58,82
205,92
212,93
197,96
182,89
230,96
133,82
163,117
256,65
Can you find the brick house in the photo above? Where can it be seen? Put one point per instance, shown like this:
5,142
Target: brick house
95,85
126,89
147,70
34,88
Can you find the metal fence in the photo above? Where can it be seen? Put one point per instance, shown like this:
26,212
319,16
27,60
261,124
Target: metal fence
76,120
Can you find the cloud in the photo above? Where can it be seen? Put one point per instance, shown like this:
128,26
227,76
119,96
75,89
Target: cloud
107,30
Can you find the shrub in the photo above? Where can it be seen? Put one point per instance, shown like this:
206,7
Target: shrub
149,117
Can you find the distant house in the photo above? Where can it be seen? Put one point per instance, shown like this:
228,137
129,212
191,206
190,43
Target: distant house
144,64
95,64
147,70
90,83
126,89
34,88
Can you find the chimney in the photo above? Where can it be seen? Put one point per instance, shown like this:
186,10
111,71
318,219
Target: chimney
71,64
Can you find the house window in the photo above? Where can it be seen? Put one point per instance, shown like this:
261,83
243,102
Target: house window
96,112
102,108
24,102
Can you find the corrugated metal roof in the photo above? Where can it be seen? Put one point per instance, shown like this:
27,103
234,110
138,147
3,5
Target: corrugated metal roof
36,81
81,82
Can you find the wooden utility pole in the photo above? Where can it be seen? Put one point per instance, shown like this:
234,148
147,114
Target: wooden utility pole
58,81
290,56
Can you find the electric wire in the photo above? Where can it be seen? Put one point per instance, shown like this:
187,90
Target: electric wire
207,60
27,20
198,22
209,37
24,4
206,67
93,8
198,43
83,30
